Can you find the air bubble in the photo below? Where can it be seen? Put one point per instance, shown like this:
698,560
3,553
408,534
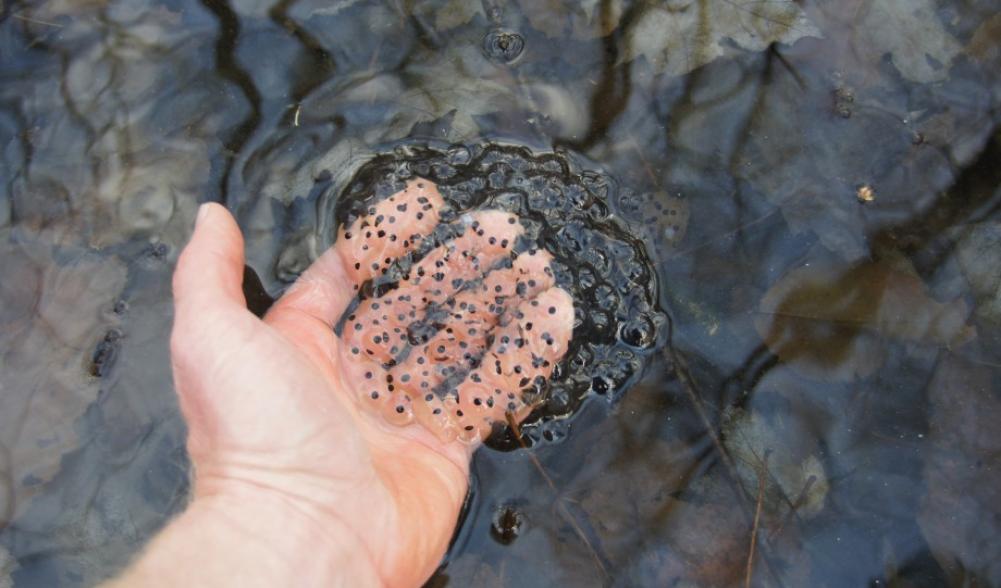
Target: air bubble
458,155
582,359
599,385
638,332
601,323
555,431
597,211
606,297
580,197
443,171
503,46
597,259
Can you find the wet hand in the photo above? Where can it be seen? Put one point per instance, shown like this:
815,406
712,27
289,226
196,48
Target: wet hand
363,437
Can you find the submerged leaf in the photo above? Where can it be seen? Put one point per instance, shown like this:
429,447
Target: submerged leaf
961,512
582,20
697,541
911,32
815,138
56,333
829,321
979,255
7,567
679,36
460,85
793,478
985,46
449,14
123,144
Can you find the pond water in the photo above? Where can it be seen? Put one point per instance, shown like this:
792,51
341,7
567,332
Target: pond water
789,371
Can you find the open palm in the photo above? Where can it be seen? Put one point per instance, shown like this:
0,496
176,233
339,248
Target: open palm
368,435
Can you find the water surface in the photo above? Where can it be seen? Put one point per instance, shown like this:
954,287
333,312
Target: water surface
816,185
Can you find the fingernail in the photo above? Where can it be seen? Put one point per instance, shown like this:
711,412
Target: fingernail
203,211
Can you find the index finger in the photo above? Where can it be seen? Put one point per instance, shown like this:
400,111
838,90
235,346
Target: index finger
362,251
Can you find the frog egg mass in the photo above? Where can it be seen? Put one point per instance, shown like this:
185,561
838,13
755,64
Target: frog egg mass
494,284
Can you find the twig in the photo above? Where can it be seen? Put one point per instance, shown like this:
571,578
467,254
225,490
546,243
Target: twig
639,154
794,507
511,422
681,372
720,236
757,520
7,507
37,21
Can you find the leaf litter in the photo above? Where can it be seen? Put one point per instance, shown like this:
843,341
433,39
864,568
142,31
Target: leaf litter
61,311
712,542
678,36
581,20
961,511
791,469
8,565
832,321
979,255
909,31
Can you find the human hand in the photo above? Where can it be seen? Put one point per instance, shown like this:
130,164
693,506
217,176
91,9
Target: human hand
348,443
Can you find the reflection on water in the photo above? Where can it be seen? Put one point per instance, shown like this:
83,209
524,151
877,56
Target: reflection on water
816,184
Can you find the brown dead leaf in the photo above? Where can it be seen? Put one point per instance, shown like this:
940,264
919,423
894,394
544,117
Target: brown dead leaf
985,46
618,512
704,542
701,538
712,542
831,322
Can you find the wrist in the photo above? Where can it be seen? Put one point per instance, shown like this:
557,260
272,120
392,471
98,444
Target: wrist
251,537
298,541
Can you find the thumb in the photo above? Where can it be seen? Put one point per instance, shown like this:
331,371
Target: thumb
209,273
208,302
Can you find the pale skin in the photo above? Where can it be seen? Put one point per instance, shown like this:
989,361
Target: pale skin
300,477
